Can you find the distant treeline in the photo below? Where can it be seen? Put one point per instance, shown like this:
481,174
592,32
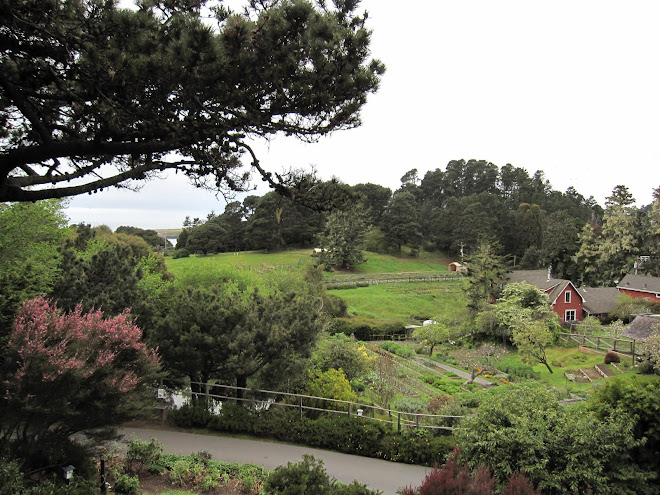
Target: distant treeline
447,210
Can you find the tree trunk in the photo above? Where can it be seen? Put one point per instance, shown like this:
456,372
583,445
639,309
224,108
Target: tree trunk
241,381
547,365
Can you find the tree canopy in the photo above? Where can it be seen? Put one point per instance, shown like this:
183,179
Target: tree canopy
93,95
68,373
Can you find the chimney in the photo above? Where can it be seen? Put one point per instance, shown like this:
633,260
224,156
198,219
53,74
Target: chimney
549,273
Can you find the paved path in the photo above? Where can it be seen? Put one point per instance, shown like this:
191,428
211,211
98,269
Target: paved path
376,473
460,373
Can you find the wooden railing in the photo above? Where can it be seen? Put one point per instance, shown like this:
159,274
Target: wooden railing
622,346
260,399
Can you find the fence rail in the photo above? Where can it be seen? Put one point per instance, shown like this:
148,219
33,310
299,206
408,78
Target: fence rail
622,346
260,399
395,280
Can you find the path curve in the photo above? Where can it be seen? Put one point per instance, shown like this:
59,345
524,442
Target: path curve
446,367
376,473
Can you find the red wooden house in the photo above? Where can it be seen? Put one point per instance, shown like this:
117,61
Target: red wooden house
566,300
640,286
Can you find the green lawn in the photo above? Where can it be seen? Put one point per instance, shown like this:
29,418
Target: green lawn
261,263
404,301
563,359
382,263
253,260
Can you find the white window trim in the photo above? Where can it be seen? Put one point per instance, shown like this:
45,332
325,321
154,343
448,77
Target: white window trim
567,296
566,313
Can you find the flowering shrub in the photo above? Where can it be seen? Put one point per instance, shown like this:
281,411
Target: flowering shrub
71,372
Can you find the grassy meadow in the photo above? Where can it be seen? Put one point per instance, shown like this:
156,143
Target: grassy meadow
404,301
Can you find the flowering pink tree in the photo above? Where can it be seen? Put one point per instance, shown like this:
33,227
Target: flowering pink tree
72,372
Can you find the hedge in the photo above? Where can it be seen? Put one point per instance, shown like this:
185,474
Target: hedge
339,433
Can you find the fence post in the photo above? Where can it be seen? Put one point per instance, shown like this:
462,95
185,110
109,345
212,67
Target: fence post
350,407
598,344
301,415
398,423
632,346
614,343
416,420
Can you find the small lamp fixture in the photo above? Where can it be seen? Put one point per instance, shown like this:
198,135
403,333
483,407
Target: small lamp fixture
359,413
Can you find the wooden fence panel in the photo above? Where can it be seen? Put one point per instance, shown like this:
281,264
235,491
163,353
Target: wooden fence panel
367,412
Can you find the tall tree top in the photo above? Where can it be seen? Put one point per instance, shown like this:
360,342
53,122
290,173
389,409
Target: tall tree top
92,95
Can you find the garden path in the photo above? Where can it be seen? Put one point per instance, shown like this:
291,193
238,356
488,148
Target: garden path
446,367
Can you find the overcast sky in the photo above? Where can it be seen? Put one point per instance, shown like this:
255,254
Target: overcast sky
571,88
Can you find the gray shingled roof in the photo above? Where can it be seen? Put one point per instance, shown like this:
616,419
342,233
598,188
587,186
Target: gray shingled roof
537,278
599,300
642,327
641,283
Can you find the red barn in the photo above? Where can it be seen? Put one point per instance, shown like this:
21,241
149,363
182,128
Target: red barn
566,301
640,287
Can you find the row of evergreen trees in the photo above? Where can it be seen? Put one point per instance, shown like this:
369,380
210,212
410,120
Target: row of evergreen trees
451,210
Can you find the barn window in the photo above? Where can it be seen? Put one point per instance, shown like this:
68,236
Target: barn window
570,315
567,296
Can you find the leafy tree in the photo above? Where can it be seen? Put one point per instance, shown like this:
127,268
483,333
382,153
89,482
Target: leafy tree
561,449
332,384
105,277
150,236
650,348
435,333
372,200
590,326
30,234
620,243
480,361
486,271
401,221
529,226
526,312
639,397
206,238
231,335
626,306
70,373
277,331
532,338
341,352
342,239
78,97
651,238
194,336
560,244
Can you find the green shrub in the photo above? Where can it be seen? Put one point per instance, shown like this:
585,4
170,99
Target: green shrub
409,405
142,455
190,415
306,476
180,253
516,368
334,305
398,349
127,484
11,478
